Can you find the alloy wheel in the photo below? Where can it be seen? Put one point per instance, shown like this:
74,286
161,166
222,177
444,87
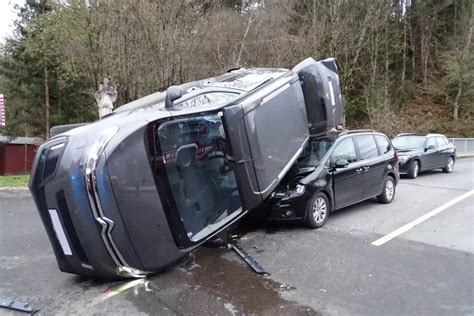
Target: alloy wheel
389,189
415,170
320,209
450,166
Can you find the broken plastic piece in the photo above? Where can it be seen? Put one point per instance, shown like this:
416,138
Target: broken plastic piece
16,305
250,261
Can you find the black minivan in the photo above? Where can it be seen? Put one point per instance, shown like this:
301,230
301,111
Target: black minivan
335,171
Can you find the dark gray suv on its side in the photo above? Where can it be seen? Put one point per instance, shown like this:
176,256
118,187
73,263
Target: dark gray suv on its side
335,171
132,193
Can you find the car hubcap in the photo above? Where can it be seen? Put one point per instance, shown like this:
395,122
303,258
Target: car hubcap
389,189
450,164
320,209
415,169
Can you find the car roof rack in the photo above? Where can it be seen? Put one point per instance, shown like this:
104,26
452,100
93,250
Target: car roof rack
414,134
355,131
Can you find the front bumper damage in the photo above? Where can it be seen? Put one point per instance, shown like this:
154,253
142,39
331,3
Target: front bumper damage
287,204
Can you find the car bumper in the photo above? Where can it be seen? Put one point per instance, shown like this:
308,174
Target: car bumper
287,206
403,167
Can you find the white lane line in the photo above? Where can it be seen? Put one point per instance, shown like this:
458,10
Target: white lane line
421,219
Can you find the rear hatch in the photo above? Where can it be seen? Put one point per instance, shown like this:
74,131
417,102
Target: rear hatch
322,94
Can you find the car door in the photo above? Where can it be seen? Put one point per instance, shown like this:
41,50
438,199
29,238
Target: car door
430,155
373,165
267,132
443,152
347,182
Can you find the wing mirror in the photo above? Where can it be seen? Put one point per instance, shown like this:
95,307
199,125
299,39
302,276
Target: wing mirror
429,147
341,163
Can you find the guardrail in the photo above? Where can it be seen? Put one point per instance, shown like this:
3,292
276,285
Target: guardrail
463,145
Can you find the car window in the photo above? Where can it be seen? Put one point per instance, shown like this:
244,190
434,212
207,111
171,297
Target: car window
314,152
383,144
345,150
441,141
408,142
207,99
367,146
431,142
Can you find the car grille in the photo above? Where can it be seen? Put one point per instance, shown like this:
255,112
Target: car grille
48,162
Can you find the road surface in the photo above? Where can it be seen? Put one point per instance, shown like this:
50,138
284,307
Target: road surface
336,270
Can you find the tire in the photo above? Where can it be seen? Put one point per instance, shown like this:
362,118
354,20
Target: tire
388,192
413,169
449,165
317,210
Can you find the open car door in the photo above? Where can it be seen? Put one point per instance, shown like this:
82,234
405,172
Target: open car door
267,132
322,94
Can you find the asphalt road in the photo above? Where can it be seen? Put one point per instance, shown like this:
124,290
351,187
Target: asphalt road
336,270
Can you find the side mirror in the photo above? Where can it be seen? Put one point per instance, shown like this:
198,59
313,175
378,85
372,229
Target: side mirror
429,147
172,93
341,163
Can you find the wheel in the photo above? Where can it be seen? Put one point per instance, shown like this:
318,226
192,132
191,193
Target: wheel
317,211
449,165
413,169
388,192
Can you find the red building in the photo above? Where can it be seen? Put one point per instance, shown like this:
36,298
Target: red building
17,154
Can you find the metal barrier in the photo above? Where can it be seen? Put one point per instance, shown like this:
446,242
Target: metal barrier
463,145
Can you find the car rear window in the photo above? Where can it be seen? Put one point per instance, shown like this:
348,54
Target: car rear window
383,144
367,146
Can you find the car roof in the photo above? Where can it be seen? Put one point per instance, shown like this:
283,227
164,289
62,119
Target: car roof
337,134
420,134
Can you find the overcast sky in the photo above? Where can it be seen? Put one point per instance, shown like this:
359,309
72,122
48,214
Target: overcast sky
7,16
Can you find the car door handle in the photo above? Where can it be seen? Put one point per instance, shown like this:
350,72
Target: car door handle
359,170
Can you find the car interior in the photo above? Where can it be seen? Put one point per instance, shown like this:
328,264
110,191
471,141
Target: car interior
204,188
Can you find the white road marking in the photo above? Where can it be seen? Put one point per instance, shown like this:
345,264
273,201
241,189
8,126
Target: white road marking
421,219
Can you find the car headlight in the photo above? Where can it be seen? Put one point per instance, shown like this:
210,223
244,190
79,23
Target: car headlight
404,159
300,188
94,152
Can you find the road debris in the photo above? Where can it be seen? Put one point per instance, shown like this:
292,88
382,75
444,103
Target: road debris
17,306
250,261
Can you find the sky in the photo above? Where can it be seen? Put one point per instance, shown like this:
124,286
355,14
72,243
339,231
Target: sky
7,16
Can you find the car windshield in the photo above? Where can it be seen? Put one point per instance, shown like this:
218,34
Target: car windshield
314,152
203,186
408,142
207,99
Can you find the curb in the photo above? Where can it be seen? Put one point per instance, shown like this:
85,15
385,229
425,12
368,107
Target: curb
13,189
463,156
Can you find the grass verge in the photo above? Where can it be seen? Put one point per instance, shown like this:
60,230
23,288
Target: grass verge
14,181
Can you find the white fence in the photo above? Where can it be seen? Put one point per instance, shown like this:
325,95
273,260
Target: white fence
463,145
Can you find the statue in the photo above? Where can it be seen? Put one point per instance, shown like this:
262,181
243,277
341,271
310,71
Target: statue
105,97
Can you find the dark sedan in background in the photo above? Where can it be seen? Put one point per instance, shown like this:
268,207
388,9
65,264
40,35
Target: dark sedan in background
421,152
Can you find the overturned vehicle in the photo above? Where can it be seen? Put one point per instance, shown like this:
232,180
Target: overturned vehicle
134,192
